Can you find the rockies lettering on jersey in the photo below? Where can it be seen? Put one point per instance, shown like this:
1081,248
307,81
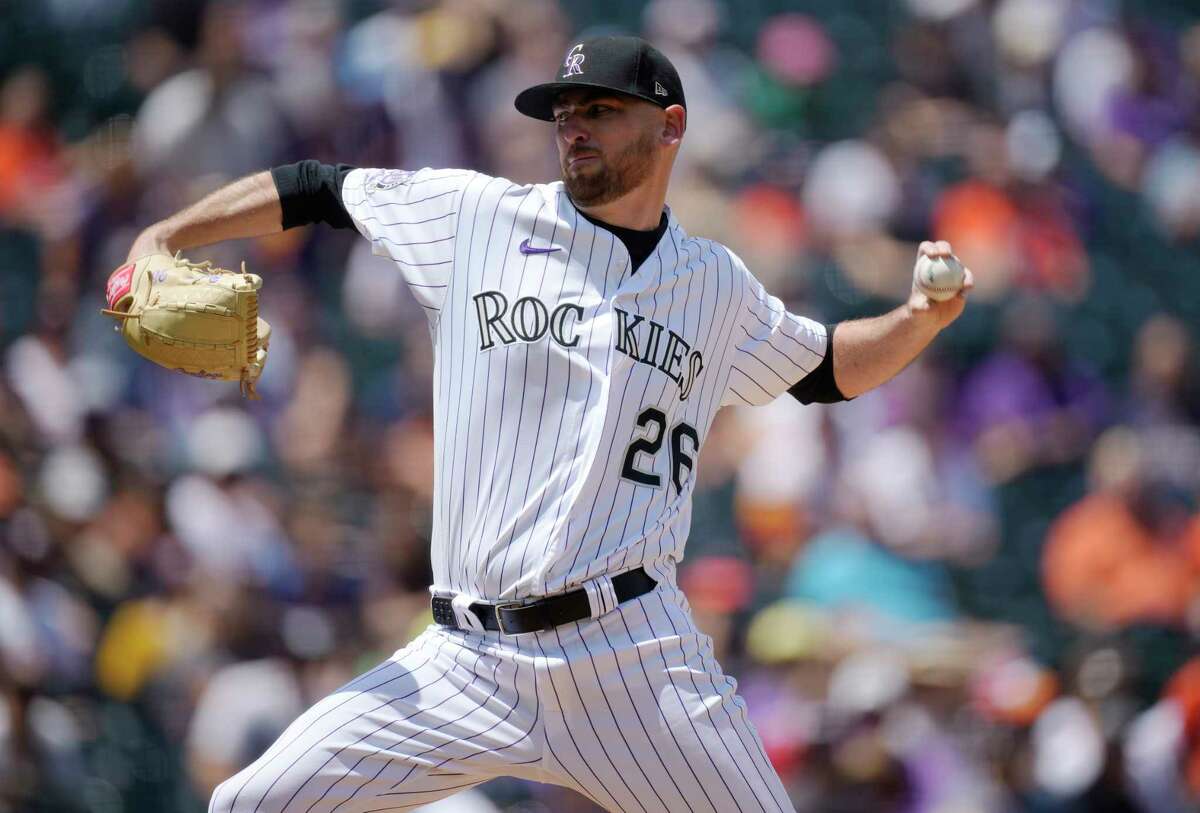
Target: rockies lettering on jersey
529,320
670,359
571,393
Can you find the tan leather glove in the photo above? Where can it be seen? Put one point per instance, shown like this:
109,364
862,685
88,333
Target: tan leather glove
191,317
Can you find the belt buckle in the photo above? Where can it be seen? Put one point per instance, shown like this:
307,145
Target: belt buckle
508,605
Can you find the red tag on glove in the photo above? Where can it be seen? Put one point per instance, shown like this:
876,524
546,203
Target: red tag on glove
119,284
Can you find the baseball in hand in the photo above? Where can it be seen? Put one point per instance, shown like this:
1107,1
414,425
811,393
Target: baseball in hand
939,278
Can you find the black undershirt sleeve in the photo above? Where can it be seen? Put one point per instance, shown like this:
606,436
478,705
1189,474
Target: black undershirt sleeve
311,192
819,386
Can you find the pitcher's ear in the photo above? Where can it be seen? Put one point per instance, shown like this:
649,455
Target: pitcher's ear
674,123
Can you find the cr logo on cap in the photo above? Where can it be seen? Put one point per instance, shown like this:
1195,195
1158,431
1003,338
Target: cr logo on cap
574,61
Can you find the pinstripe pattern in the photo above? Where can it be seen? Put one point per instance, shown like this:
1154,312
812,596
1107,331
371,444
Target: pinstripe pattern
774,349
532,434
628,709
419,727
453,340
548,366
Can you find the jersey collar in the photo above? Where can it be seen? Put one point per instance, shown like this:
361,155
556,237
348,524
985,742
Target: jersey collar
568,211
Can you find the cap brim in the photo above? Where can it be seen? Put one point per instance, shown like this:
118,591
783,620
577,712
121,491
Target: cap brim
538,101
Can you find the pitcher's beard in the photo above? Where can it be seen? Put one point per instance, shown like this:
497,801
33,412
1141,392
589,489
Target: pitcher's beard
615,177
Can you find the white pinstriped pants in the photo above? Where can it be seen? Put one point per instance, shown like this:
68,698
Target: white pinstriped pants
629,709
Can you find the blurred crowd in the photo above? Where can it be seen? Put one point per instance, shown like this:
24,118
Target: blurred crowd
974,589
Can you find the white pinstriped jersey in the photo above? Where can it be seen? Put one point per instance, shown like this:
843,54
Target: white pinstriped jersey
571,394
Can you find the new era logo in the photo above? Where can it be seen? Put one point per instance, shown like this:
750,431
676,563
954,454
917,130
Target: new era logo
659,90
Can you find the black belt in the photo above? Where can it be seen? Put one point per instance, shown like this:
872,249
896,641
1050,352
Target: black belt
515,618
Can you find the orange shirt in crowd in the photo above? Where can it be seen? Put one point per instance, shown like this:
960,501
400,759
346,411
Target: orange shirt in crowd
27,160
1101,567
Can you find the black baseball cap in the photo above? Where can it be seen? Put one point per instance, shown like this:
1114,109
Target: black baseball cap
628,65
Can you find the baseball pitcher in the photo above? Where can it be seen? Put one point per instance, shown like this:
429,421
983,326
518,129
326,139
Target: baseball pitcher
583,342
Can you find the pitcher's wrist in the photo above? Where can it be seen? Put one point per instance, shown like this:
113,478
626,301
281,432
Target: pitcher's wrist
152,240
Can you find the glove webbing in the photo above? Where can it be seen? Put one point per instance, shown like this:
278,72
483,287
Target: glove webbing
251,316
251,343
251,325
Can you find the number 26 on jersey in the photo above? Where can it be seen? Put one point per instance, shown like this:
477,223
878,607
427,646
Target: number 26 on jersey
684,443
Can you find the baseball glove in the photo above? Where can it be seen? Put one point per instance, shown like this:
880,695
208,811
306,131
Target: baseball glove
191,317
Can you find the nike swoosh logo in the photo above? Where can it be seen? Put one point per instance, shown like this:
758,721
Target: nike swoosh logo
528,249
